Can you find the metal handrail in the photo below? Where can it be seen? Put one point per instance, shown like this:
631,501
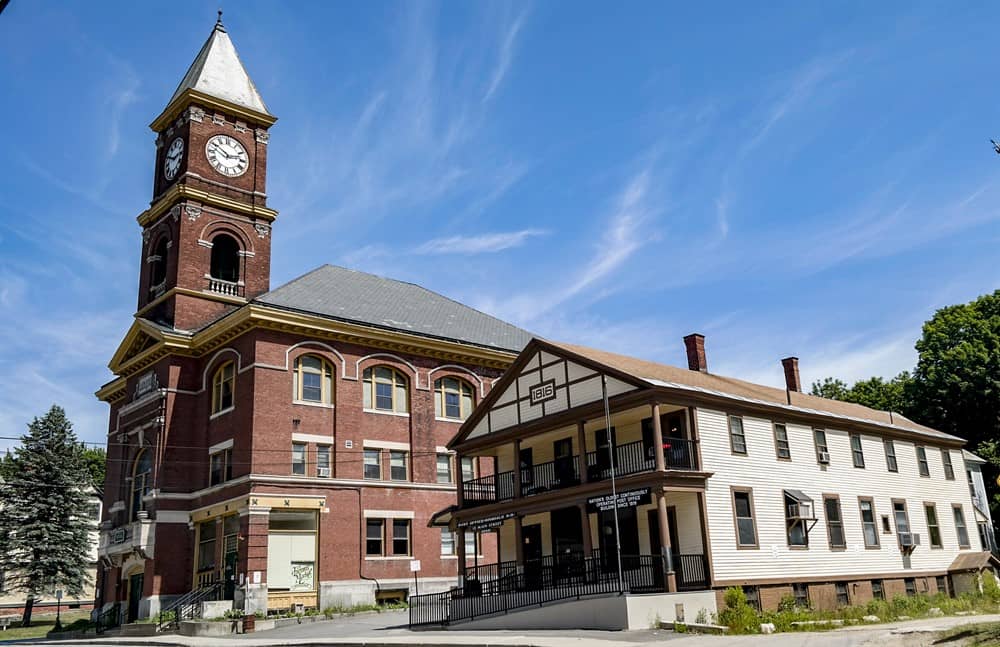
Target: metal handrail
185,607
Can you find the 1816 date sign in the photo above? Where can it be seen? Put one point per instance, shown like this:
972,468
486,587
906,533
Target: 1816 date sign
543,392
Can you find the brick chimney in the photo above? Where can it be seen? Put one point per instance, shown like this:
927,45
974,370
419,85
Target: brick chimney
791,365
695,344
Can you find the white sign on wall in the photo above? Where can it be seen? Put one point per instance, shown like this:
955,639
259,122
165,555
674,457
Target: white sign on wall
414,565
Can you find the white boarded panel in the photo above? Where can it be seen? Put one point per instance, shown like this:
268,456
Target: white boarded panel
525,382
506,396
555,372
480,429
529,412
548,358
558,404
576,371
503,418
616,386
586,391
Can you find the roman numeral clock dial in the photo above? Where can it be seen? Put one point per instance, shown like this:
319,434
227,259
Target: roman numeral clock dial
172,160
227,155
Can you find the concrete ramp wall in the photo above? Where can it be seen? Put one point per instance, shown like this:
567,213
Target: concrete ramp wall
610,612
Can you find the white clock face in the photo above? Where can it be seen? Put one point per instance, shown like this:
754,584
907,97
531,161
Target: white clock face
227,155
172,160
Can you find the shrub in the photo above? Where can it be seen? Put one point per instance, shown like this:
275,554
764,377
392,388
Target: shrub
739,616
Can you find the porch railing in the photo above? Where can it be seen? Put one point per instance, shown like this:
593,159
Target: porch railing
630,458
492,488
637,457
187,606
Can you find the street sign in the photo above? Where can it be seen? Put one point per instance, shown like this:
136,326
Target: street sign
484,525
414,565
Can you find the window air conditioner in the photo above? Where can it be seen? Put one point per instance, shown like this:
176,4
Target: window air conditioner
800,511
909,539
323,472
824,457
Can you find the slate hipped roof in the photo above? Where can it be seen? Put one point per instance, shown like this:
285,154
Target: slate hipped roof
349,295
720,385
218,72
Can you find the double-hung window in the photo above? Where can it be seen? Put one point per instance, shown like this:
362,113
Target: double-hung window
452,398
949,469
374,537
834,522
468,468
373,464
960,528
299,458
781,446
799,514
857,452
221,467
933,528
878,590
925,469
447,542
746,526
843,597
223,388
444,473
868,524
400,537
890,455
737,439
902,519
312,380
323,461
822,449
397,465
385,389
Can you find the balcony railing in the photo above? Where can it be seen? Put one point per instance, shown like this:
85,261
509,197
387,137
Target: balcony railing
630,458
637,457
228,288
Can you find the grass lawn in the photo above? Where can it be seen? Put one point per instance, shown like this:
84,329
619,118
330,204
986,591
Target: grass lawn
41,625
982,635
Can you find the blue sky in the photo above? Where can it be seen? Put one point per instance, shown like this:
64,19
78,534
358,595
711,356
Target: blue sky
797,178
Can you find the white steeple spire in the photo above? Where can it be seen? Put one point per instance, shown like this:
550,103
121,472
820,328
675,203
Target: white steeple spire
218,72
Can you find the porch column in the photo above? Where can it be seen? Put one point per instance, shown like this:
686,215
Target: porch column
665,548
518,540
658,444
588,548
517,468
702,517
581,441
459,482
460,542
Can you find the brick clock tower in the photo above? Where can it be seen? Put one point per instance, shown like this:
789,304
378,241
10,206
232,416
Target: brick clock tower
206,237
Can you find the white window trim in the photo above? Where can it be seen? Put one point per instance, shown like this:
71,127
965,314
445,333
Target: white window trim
385,444
398,414
218,447
444,450
457,421
388,514
388,558
321,405
221,413
312,438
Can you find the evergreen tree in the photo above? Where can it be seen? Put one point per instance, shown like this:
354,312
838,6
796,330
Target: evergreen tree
44,525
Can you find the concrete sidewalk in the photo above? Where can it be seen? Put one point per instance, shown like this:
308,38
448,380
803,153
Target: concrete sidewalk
912,633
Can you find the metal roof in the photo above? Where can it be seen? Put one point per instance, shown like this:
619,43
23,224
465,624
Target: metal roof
217,71
350,295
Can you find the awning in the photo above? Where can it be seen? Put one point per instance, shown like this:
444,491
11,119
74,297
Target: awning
798,495
974,561
442,518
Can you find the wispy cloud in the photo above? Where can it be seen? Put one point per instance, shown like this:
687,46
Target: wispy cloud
478,244
505,55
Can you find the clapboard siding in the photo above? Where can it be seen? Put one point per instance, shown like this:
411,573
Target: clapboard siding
768,476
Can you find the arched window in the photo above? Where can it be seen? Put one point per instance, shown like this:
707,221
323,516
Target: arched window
225,258
142,481
158,272
223,384
313,380
452,398
385,390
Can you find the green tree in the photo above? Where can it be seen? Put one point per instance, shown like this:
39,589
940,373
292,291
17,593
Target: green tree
96,459
44,526
957,380
875,392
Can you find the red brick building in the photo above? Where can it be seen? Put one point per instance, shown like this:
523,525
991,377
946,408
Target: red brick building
286,445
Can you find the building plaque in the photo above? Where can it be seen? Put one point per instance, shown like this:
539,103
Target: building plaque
627,499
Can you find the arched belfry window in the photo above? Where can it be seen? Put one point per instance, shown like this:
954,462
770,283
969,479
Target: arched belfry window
159,269
142,481
225,258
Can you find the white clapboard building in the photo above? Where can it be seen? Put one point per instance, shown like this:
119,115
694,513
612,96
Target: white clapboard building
717,482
